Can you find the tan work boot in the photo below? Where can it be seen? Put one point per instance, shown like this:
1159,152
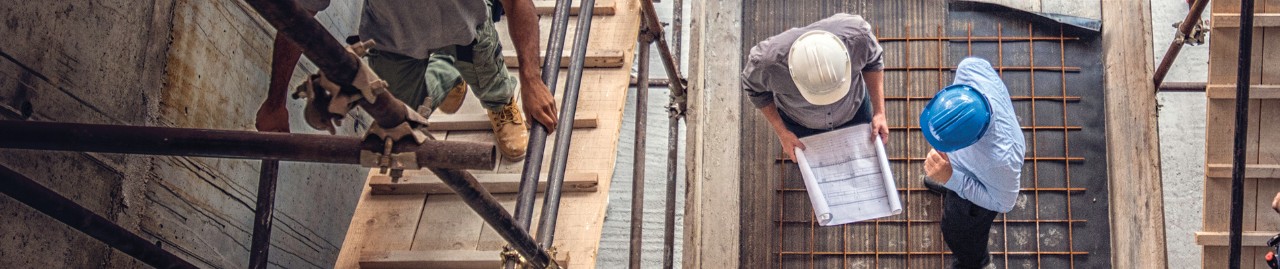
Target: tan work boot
453,100
510,131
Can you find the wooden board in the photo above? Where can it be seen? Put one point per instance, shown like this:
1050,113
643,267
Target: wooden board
455,259
480,122
1133,149
1268,171
602,7
1255,91
382,222
447,223
1232,20
1249,239
594,58
494,183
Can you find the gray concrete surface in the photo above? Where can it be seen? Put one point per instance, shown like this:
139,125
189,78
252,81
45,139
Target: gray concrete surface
1182,128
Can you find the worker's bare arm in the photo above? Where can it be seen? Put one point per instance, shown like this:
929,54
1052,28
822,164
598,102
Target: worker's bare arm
789,140
538,103
875,87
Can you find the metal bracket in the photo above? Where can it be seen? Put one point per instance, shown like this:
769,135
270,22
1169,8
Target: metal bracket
1195,37
511,255
389,162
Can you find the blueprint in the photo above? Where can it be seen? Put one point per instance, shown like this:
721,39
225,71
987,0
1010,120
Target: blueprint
847,175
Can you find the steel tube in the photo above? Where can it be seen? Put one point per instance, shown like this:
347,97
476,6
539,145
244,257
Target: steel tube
262,217
1183,87
49,202
1184,29
637,177
1242,128
465,185
669,229
231,144
564,132
654,30
528,190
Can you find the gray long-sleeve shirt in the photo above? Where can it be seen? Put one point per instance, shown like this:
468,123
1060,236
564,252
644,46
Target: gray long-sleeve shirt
415,27
767,78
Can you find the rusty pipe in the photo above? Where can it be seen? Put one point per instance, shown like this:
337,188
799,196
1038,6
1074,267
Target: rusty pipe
1184,29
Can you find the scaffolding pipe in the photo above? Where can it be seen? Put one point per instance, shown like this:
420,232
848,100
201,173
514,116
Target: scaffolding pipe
262,215
1184,30
527,192
232,144
1183,87
669,229
637,176
465,185
654,31
1242,126
333,59
52,204
564,132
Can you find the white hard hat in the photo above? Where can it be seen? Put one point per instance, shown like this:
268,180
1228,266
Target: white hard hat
820,67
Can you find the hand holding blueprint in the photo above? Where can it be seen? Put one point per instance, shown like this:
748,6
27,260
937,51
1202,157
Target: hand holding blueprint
846,173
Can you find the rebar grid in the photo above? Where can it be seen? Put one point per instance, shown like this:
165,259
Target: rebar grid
906,156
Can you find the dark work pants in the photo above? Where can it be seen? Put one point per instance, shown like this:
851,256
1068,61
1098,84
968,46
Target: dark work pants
966,228
862,116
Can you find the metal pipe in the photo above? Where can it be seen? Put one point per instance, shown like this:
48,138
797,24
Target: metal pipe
1183,87
669,229
1184,29
476,197
676,26
654,28
564,132
231,144
262,217
49,202
637,177
528,189
327,53
1242,126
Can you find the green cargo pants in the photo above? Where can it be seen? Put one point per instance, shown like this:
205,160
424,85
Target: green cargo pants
479,64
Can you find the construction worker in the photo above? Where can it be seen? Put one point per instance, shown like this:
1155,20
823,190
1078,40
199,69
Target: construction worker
431,52
817,78
976,160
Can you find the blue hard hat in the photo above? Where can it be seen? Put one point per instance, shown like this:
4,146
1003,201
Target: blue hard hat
956,117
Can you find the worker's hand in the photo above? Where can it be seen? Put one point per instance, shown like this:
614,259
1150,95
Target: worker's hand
937,167
538,102
881,127
1275,203
789,143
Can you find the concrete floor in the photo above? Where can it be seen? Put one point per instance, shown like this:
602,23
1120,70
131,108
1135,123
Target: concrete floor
1182,123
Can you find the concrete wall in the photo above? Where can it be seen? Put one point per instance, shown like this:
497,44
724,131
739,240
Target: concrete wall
176,63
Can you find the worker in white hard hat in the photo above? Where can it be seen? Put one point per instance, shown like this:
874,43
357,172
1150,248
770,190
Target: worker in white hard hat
817,78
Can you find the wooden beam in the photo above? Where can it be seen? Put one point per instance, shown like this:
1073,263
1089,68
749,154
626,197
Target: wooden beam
494,183
1247,238
1220,170
480,122
1228,91
1133,148
603,7
1232,20
595,58
456,259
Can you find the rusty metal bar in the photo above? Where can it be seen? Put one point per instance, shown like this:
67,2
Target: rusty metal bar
909,221
1183,87
1184,30
564,132
903,253
1024,128
959,39
637,176
231,144
654,31
1000,68
1066,147
56,206
465,185
912,189
262,214
1243,69
1014,98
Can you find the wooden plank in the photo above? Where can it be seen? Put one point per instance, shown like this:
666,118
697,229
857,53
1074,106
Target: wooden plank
603,7
1232,20
595,58
1133,149
1248,238
1223,171
1228,91
494,183
447,224
480,122
456,259
382,222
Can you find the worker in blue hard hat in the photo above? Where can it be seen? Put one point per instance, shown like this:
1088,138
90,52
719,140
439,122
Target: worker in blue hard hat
817,78
976,160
